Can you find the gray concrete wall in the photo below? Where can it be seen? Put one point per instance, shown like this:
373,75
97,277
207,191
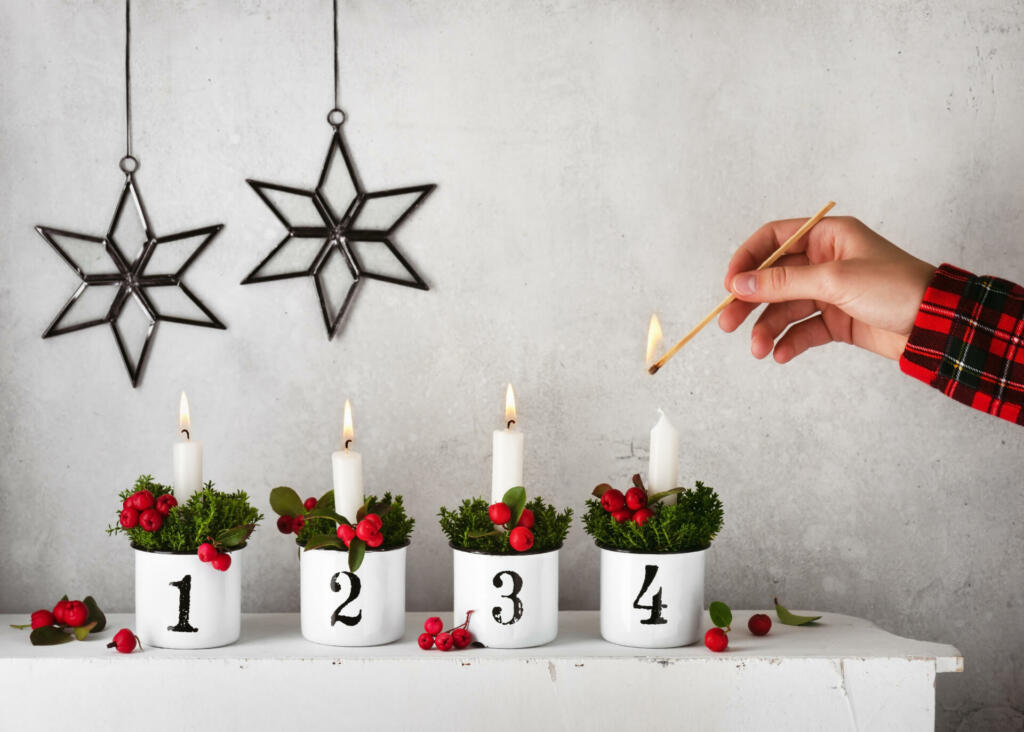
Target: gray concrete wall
596,161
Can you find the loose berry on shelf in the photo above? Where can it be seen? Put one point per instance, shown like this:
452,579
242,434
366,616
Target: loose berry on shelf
76,613
346,533
141,500
151,520
221,562
124,641
636,498
461,637
377,521
310,503
433,625
444,641
613,500
520,538
622,515
759,624
500,513
165,503
129,518
426,641
642,516
365,529
42,618
207,552
374,540
527,519
298,523
58,612
716,640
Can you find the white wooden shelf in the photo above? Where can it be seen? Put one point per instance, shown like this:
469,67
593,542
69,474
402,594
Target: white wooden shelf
842,674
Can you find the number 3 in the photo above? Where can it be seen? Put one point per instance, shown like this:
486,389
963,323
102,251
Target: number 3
517,604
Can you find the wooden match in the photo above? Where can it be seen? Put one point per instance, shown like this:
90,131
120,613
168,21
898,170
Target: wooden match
807,226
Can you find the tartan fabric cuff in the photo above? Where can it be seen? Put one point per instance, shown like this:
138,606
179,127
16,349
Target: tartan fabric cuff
967,341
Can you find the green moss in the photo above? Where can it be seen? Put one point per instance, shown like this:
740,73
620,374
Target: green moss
689,524
464,525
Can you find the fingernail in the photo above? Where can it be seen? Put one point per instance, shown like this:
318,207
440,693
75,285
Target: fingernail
744,284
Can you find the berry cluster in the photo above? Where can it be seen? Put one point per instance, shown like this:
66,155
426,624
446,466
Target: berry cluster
219,560
631,506
368,530
520,536
434,635
67,619
295,524
125,641
141,509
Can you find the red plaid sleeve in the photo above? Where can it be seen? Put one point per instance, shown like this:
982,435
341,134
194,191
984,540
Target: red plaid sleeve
967,341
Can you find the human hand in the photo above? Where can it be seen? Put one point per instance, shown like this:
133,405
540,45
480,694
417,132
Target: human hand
859,288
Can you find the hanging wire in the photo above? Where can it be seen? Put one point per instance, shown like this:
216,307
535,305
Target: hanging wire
128,163
336,117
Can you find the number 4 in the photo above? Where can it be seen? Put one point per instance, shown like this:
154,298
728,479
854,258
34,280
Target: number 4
656,605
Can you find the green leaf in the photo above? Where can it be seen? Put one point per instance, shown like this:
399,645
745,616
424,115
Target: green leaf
48,635
482,534
22,627
324,512
82,631
788,618
600,489
363,510
318,540
286,502
655,497
515,498
356,552
721,615
95,614
236,535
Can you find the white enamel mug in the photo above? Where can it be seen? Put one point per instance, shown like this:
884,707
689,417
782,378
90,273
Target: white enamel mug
652,600
514,597
343,608
181,602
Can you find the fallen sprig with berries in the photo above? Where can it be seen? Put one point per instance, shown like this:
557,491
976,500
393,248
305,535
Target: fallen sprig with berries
632,521
434,635
69,620
512,526
381,524
717,638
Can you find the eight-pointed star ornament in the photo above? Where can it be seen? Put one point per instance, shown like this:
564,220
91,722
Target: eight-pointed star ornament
338,234
137,272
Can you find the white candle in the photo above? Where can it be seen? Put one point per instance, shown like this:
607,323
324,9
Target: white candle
188,456
348,472
507,453
663,468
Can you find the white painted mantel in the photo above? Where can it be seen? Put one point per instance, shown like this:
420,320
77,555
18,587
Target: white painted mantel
843,674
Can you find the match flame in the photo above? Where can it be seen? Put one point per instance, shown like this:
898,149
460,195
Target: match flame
653,338
348,432
184,418
510,406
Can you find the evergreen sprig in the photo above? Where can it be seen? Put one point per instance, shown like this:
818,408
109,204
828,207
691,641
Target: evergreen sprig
202,518
396,524
689,524
463,526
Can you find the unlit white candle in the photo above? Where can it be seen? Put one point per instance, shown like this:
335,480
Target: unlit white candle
663,467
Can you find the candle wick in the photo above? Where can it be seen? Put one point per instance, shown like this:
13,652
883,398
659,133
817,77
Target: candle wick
508,425
347,443
187,435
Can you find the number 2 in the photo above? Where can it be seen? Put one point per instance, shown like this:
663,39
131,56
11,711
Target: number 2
517,604
656,605
355,587
184,586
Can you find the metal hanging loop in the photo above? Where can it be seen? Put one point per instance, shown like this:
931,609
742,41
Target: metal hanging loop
336,117
128,164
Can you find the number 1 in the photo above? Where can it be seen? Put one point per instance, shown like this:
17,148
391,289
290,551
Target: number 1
184,586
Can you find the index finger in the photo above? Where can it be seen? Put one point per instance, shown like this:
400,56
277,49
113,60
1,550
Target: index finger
760,245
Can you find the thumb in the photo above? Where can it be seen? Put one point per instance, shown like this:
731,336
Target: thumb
779,284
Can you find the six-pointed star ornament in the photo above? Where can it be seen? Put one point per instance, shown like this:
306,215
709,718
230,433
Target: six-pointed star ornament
338,234
132,293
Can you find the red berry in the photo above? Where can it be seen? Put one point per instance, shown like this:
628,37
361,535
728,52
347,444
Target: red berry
375,540
346,533
58,612
461,637
310,504
285,524
151,520
520,538
165,503
124,641
444,641
375,519
433,625
76,613
623,514
365,529
129,518
641,517
759,624
42,618
612,500
298,523
207,552
500,513
221,562
716,640
426,641
636,498
527,519
141,500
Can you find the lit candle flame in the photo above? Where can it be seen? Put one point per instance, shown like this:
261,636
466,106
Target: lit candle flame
510,407
184,418
653,338
348,433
